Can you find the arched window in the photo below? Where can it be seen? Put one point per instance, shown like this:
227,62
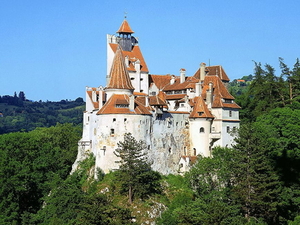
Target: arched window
202,130
195,152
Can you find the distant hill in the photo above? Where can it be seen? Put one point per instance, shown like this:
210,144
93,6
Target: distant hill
239,86
19,114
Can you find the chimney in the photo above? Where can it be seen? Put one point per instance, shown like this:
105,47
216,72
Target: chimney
100,97
198,89
182,75
94,96
172,81
202,71
137,67
147,100
209,95
127,60
131,102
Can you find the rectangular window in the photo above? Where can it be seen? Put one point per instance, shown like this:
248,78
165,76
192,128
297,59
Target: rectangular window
228,129
230,113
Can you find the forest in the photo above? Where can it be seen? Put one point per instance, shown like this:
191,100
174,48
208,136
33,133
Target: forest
20,114
256,181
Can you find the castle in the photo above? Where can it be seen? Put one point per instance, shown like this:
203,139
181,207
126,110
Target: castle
179,117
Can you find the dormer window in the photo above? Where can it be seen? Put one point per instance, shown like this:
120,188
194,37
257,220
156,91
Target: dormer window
200,113
122,105
227,100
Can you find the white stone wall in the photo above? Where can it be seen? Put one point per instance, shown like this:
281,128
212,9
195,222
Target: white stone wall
199,133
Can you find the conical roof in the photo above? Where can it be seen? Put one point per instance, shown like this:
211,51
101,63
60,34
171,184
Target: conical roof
119,77
125,28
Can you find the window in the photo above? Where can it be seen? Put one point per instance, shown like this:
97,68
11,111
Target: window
195,151
230,113
153,93
213,129
112,132
234,129
122,105
114,119
228,129
125,119
202,130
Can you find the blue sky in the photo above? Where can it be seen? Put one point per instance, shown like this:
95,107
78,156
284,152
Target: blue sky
52,49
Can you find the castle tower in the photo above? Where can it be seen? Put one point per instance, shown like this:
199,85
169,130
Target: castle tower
119,82
124,39
133,57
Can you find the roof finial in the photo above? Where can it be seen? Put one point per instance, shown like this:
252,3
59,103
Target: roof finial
125,15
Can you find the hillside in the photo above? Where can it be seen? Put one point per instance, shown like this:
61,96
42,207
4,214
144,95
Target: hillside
20,114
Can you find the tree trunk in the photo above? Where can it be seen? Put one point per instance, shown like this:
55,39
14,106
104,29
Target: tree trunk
130,194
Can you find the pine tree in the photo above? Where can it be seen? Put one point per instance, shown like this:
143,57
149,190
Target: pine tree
256,184
135,172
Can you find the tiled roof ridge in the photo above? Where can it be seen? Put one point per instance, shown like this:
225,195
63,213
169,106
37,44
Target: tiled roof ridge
125,28
119,76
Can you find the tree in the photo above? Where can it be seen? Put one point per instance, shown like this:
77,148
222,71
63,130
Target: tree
293,78
256,185
135,171
285,124
28,164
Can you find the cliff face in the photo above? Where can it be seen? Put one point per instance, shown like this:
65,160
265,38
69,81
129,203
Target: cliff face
166,139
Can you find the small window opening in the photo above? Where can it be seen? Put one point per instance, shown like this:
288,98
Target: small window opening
202,130
114,119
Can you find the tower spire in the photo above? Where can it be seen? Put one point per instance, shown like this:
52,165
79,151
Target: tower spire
119,77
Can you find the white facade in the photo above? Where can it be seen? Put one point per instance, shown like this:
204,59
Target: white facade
178,117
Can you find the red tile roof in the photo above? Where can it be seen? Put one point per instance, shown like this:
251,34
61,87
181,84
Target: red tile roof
133,55
110,107
200,109
213,70
119,77
125,28
219,87
96,104
161,81
156,101
175,97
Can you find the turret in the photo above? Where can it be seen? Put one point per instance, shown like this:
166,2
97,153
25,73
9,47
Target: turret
124,38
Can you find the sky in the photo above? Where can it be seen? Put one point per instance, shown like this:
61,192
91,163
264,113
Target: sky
52,50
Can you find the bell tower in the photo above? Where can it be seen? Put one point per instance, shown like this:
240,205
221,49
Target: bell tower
124,38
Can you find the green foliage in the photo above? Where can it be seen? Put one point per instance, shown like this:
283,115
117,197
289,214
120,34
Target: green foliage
135,172
256,185
30,115
28,164
287,154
